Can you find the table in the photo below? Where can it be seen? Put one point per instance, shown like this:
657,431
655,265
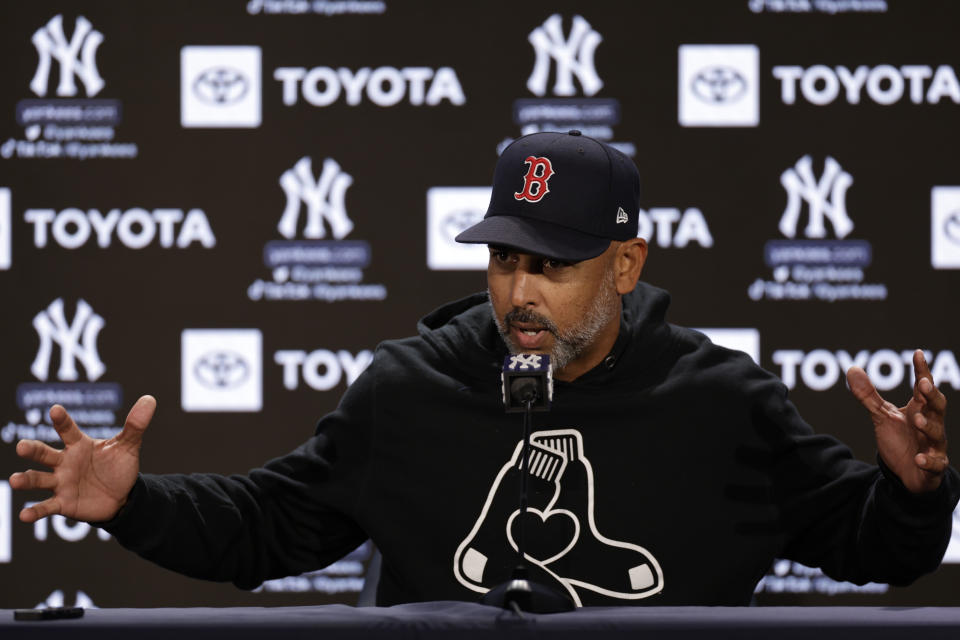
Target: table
467,620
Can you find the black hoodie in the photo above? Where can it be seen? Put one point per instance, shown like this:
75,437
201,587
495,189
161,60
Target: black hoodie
673,473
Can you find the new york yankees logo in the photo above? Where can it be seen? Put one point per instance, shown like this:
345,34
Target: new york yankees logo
77,340
76,57
826,198
528,361
535,182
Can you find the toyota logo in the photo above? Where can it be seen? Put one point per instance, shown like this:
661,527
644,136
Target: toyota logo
459,220
221,85
951,227
718,85
221,370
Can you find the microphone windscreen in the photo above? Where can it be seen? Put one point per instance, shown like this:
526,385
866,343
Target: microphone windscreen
534,367
524,389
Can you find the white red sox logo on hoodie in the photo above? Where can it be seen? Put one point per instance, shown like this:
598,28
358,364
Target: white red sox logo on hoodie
535,182
564,548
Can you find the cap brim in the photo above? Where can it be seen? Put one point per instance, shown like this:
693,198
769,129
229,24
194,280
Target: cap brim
535,237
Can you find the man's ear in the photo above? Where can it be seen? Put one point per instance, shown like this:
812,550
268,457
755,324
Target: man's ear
628,264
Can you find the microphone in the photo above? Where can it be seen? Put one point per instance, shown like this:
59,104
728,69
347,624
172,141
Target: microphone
527,378
527,387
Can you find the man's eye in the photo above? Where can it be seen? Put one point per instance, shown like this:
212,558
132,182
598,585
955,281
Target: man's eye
500,254
550,263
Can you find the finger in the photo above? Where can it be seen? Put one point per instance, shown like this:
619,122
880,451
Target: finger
931,463
69,431
865,392
921,371
920,421
33,479
49,507
920,368
932,397
39,452
137,421
932,429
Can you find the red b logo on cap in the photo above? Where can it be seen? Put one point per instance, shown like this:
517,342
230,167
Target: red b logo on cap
535,182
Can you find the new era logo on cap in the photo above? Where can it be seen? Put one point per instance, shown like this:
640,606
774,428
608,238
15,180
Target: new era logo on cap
622,217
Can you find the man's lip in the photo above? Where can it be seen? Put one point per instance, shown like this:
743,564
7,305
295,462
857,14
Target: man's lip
525,341
527,326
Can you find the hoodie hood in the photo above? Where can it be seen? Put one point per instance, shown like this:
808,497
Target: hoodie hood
464,337
463,333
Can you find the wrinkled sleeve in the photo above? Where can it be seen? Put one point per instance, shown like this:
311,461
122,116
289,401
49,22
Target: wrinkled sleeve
854,520
296,513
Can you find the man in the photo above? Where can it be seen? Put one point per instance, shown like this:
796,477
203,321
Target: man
669,471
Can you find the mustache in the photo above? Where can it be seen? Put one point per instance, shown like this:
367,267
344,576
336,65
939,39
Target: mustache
529,317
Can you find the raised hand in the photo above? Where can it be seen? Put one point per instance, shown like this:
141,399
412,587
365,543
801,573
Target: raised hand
90,479
911,439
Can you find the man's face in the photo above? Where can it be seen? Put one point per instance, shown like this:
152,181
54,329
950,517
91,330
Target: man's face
570,311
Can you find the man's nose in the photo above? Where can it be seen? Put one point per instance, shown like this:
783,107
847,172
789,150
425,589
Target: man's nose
523,292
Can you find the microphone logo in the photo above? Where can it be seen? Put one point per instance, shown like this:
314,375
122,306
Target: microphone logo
525,361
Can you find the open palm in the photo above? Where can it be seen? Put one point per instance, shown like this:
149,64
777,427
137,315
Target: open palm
911,439
89,478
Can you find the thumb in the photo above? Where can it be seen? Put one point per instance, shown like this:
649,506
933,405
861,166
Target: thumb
864,391
137,421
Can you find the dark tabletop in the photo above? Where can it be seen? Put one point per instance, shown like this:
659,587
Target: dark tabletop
461,619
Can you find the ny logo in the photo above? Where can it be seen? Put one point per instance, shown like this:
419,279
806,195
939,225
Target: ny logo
77,57
525,361
800,183
324,199
78,341
535,182
574,57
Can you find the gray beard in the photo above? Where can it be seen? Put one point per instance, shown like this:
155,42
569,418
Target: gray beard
570,344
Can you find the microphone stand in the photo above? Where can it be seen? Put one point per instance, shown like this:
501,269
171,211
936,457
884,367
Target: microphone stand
519,593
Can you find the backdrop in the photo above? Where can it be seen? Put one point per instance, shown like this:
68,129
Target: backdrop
228,204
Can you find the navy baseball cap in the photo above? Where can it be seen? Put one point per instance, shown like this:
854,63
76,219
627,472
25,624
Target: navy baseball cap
560,195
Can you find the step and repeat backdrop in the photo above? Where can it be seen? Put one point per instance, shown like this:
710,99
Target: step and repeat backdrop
228,204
